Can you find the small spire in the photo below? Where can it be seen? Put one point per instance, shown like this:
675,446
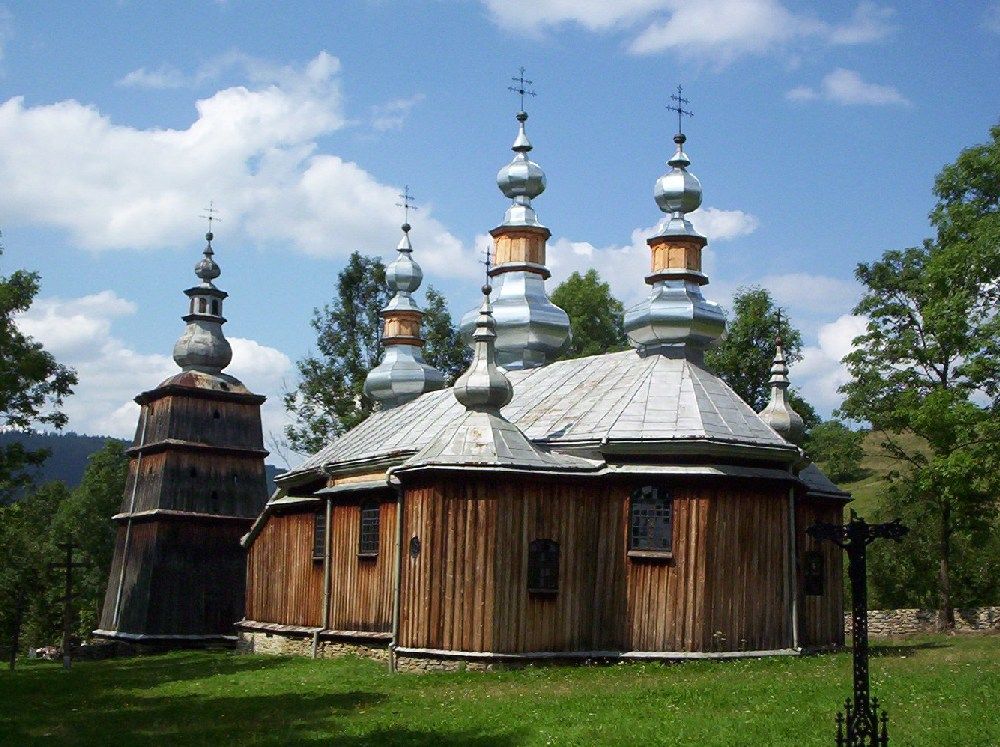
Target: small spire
779,413
203,346
207,270
484,386
521,180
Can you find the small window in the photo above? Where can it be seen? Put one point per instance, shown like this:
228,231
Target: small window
368,535
812,573
543,566
202,305
319,535
215,306
650,528
216,415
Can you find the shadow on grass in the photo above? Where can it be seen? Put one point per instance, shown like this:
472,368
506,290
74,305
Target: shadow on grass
885,650
403,736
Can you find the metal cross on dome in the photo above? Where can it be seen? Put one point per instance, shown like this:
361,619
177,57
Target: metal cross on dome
487,262
679,107
211,215
522,87
407,203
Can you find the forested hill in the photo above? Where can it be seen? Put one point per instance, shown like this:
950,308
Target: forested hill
68,453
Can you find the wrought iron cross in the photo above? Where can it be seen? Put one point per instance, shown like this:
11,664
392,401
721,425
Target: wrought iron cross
407,203
778,336
679,107
522,87
487,262
67,565
211,215
861,717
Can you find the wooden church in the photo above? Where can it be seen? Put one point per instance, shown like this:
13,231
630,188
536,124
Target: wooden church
195,485
619,506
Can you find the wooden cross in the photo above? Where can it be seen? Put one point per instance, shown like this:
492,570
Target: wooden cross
679,107
407,203
67,565
522,87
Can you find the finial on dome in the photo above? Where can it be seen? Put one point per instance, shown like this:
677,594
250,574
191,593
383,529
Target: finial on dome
522,179
484,386
203,346
678,192
206,269
779,413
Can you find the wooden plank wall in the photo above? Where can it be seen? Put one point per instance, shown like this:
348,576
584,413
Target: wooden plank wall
284,583
467,590
361,588
821,618
194,419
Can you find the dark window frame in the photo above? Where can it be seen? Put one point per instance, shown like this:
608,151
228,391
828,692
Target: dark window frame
369,525
543,567
651,523
319,534
813,573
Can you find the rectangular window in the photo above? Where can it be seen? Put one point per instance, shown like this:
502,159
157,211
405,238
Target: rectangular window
812,573
650,528
543,566
368,535
319,534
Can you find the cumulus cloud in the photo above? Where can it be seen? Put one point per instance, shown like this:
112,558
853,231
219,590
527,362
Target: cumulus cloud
846,87
162,78
812,293
253,148
820,372
716,30
79,333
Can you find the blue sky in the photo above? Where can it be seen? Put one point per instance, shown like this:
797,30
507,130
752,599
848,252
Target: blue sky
817,133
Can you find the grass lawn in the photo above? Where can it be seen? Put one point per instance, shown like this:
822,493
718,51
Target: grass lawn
939,690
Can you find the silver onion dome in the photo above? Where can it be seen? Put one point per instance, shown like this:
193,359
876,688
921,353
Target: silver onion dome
484,386
521,180
403,375
678,191
779,413
203,346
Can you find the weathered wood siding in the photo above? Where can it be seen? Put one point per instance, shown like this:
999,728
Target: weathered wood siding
216,423
361,588
467,589
821,618
284,583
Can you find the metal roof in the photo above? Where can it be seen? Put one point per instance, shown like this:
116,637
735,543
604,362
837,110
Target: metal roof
598,399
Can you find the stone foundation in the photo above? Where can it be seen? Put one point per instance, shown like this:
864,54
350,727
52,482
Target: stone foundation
283,644
891,623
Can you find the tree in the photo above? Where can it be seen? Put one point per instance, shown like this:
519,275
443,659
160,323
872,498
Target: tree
330,398
443,347
837,449
595,316
925,373
32,383
85,516
744,356
25,550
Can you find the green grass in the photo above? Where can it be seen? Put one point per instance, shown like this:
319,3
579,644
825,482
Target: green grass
938,690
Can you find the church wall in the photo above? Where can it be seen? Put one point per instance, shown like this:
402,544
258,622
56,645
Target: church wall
361,588
723,589
284,583
212,422
821,618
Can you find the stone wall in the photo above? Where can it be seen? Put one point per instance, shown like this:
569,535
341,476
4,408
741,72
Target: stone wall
889,623
278,644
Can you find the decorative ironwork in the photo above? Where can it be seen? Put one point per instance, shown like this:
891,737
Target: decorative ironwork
368,534
407,204
650,520
543,566
860,725
679,107
67,565
522,87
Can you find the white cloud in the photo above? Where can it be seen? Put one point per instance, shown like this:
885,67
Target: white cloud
79,333
252,149
164,77
715,30
846,87
820,372
392,114
816,293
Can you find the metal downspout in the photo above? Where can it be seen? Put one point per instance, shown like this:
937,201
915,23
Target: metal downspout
397,591
792,565
128,523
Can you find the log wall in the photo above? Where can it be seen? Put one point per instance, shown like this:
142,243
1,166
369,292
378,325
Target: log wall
284,583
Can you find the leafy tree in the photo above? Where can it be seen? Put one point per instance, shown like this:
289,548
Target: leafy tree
744,356
330,397
837,449
925,373
32,383
85,516
443,347
595,316
25,551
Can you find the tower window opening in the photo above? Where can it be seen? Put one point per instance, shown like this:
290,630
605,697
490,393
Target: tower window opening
215,307
216,415
202,305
